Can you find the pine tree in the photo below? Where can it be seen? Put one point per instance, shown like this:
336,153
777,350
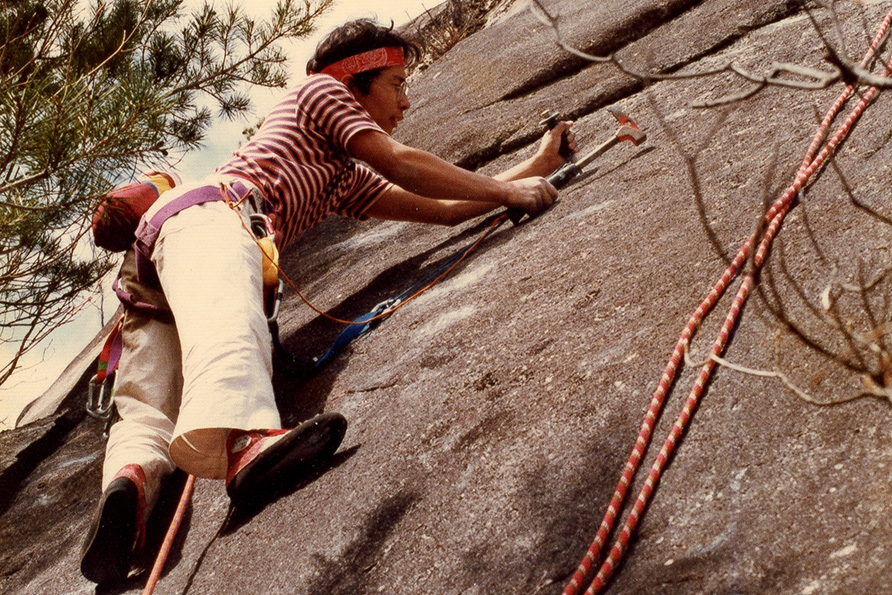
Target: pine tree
88,99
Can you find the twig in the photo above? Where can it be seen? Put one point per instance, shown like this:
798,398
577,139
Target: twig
843,68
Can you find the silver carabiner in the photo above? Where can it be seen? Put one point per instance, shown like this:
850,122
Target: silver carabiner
99,397
261,225
277,303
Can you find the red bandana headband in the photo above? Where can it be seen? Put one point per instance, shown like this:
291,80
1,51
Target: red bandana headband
371,60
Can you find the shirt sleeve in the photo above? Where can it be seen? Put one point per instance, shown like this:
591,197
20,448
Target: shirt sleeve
359,191
327,108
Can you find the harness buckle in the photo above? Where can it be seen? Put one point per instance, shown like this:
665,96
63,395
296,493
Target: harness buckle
99,397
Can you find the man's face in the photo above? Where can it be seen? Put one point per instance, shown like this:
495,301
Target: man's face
386,100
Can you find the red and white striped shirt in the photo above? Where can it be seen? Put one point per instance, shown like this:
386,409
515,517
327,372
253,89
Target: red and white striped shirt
298,159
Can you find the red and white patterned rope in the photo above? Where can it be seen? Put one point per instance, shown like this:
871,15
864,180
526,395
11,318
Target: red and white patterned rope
772,220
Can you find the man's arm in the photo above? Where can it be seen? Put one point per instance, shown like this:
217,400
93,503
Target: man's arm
430,190
397,204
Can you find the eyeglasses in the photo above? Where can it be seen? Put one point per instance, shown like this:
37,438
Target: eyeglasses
402,89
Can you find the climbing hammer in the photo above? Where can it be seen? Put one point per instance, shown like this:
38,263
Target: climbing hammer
628,131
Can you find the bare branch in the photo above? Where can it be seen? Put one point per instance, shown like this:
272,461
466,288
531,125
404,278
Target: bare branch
808,78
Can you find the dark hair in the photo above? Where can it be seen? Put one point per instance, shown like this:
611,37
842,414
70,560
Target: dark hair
356,37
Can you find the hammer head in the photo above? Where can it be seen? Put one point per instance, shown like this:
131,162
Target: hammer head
633,135
549,119
622,117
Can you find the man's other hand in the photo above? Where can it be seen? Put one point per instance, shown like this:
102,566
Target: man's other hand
531,195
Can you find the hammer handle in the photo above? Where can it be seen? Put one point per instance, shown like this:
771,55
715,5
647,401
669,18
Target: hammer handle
599,150
560,178
564,151
515,215
564,174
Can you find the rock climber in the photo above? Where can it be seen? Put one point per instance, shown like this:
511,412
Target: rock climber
194,389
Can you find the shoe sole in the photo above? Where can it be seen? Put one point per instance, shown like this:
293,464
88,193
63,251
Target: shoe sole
302,449
108,550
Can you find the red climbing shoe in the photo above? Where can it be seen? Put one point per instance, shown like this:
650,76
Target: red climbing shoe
118,528
263,458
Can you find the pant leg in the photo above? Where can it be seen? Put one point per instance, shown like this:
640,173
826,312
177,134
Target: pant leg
148,385
210,270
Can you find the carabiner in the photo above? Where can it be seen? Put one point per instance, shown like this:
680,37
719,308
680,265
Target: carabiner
99,397
274,303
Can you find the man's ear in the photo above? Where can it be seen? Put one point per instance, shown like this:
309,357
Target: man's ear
348,82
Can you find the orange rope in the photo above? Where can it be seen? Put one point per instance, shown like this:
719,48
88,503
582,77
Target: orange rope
771,221
161,559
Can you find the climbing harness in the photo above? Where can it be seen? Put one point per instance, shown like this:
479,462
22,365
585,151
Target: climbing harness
149,228
762,239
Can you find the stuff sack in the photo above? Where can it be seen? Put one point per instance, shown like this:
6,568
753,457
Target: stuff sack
117,215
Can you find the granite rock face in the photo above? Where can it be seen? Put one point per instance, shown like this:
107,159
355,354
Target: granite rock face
490,418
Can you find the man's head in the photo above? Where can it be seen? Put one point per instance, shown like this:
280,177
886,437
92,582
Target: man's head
371,60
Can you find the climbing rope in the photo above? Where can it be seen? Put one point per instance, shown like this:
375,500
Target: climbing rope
171,534
770,224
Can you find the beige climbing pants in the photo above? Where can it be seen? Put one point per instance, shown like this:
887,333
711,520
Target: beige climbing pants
183,383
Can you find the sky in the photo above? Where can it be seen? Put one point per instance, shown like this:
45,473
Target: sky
228,135
43,365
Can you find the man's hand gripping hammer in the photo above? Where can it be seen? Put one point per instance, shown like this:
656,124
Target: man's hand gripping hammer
628,131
